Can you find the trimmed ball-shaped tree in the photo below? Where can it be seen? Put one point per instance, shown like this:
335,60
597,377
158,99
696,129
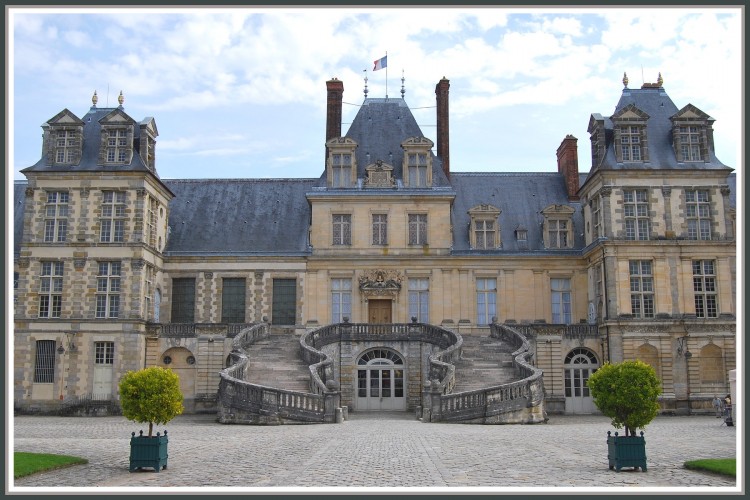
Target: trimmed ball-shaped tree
627,392
151,395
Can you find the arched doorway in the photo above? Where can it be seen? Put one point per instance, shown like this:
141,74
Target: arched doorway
380,381
580,363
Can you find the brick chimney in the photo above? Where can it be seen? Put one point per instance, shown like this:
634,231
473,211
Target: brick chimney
567,165
443,142
335,89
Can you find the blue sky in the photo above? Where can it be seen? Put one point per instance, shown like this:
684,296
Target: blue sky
241,92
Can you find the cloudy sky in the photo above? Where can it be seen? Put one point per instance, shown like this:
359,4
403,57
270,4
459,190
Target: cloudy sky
241,92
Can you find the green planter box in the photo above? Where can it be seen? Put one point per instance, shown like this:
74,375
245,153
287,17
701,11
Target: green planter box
626,451
148,451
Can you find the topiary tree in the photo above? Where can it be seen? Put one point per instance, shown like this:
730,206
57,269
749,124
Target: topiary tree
151,395
627,393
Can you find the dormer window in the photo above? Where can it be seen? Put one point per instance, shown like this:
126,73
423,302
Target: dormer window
692,134
63,139
342,169
522,234
631,140
117,136
117,146
341,163
417,169
485,229
417,166
558,226
690,143
66,146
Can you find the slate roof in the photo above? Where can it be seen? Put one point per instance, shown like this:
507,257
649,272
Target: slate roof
521,197
656,103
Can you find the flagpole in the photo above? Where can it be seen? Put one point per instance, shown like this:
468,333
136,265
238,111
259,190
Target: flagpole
386,74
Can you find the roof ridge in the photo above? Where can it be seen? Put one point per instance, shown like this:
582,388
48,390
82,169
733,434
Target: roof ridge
261,179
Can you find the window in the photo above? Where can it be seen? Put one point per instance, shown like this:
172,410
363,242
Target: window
183,300
56,216
112,218
104,353
341,299
558,233
341,168
44,364
641,289
233,300
690,144
596,216
484,234
342,229
417,169
117,145
417,229
698,214
561,308
148,292
486,300
108,290
50,290
630,140
704,287
66,146
379,229
151,222
283,308
419,299
636,214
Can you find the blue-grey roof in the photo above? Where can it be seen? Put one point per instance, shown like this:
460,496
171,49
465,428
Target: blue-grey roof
239,216
655,102
521,197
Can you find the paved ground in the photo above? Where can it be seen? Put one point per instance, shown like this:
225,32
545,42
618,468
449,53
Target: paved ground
377,453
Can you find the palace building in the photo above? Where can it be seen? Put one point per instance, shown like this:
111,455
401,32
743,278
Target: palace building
631,257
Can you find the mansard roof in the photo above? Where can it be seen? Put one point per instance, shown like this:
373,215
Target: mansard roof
520,197
239,216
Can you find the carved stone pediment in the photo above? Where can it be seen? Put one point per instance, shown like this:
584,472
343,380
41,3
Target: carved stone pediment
379,174
381,282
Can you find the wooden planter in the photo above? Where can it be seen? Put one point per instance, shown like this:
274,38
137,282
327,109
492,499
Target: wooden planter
626,451
148,451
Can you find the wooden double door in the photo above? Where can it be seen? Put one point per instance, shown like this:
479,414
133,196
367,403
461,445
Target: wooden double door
379,311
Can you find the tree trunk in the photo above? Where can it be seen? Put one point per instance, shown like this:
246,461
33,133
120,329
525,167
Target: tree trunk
150,428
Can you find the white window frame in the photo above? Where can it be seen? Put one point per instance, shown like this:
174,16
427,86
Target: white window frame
341,299
112,218
642,298
419,299
108,289
698,214
486,300
51,289
56,212
636,214
705,288
561,300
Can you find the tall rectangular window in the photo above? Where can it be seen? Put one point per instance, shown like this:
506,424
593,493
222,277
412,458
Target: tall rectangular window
342,229
117,145
342,169
641,289
341,299
151,222
65,146
50,289
558,233
44,363
104,353
284,306
486,300
561,305
417,169
56,216
690,144
108,290
417,229
484,234
698,214
148,293
630,139
419,299
112,218
596,216
183,300
379,229
233,300
637,223
704,288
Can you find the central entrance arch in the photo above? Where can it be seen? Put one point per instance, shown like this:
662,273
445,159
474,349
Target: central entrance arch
380,380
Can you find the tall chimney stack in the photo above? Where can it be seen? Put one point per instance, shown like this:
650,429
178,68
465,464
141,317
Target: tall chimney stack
443,142
567,165
333,112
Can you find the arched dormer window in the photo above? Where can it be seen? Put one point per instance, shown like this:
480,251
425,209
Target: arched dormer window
417,166
631,140
341,165
692,134
485,227
558,226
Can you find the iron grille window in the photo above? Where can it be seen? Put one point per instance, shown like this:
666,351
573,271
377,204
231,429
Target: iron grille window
56,216
484,234
183,300
630,140
341,169
342,229
284,310
486,300
108,290
417,229
44,364
117,145
233,300
558,233
637,222
112,218
419,299
417,169
561,306
379,229
690,143
104,353
704,288
50,289
341,299
698,214
641,288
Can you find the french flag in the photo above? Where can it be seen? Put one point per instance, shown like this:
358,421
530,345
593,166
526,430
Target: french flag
380,63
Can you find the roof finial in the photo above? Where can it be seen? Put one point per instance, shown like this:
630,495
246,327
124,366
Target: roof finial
365,83
121,98
94,99
660,80
625,79
402,84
